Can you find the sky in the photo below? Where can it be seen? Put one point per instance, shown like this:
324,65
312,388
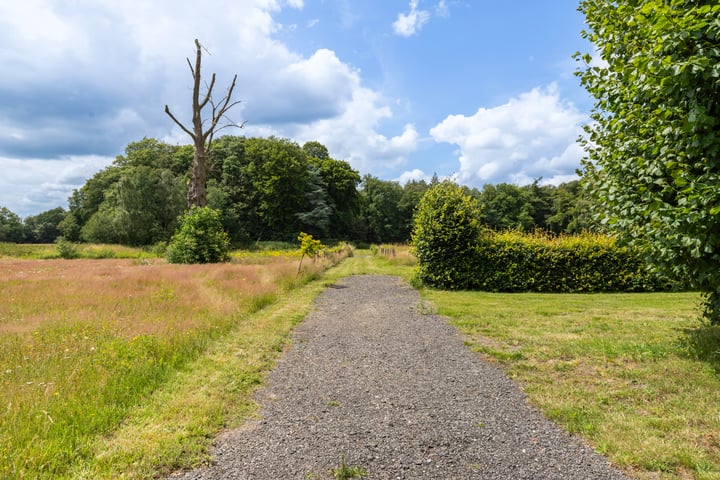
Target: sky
482,91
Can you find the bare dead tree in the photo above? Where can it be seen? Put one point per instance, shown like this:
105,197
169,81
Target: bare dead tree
202,134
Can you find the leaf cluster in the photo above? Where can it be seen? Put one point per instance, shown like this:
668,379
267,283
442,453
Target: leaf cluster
200,238
654,147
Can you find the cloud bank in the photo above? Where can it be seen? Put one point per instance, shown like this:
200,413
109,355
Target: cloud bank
532,135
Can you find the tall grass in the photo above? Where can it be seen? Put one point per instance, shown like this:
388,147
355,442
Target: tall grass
82,342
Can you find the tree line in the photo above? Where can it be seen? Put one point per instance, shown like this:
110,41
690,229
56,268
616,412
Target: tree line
271,189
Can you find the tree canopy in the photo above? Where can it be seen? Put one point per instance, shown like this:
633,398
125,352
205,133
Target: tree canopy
271,189
654,146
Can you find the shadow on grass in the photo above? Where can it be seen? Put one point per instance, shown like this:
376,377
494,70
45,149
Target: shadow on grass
703,343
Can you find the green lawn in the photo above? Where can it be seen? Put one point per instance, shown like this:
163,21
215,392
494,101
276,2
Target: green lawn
635,374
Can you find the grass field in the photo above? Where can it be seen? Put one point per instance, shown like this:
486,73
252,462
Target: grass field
128,368
635,374
85,342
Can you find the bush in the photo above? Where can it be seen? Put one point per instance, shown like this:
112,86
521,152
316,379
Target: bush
445,231
517,262
66,249
200,238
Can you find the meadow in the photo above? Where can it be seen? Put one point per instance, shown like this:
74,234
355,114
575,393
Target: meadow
129,367
83,342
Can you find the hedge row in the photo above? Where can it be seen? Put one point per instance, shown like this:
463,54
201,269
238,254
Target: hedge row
516,262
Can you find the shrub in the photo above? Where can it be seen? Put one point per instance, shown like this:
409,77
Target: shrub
514,262
66,249
517,262
200,238
445,231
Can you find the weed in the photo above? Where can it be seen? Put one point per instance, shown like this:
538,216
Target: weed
345,471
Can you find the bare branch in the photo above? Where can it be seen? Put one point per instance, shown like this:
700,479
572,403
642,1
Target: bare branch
202,133
208,95
167,110
224,107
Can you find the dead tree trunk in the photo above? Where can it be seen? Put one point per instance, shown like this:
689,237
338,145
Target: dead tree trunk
202,139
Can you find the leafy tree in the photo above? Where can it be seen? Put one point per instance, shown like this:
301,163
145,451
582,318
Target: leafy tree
446,229
11,227
309,247
278,171
412,193
316,150
43,227
141,208
200,238
507,206
317,217
379,201
341,182
571,210
654,146
85,201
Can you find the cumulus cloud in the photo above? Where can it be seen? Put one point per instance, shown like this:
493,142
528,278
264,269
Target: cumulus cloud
409,24
413,175
353,135
530,136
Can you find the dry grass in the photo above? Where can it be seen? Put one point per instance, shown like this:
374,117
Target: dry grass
82,342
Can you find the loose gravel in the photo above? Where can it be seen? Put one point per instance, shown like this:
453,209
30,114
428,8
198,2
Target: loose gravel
375,384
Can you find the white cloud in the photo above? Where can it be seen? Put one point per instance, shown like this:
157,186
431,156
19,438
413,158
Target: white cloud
415,174
353,135
442,9
30,186
530,136
409,24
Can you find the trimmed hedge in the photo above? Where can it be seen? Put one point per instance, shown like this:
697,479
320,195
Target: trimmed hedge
516,262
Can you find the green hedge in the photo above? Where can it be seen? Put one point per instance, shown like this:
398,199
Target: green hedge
516,262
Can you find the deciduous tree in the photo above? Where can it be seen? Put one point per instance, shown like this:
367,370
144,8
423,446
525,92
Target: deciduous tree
654,146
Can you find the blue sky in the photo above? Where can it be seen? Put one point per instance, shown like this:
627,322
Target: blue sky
477,89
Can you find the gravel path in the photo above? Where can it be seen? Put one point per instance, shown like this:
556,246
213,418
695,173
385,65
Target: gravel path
372,382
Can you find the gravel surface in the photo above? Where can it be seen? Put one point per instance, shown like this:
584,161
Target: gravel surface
370,381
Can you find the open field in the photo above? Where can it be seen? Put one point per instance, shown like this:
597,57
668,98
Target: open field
83,342
129,367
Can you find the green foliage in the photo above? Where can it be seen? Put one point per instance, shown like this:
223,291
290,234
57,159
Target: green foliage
11,227
654,144
516,262
43,227
558,209
200,238
66,249
309,247
447,227
383,219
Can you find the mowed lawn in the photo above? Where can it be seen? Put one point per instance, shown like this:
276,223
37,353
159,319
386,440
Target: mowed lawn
83,342
637,375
